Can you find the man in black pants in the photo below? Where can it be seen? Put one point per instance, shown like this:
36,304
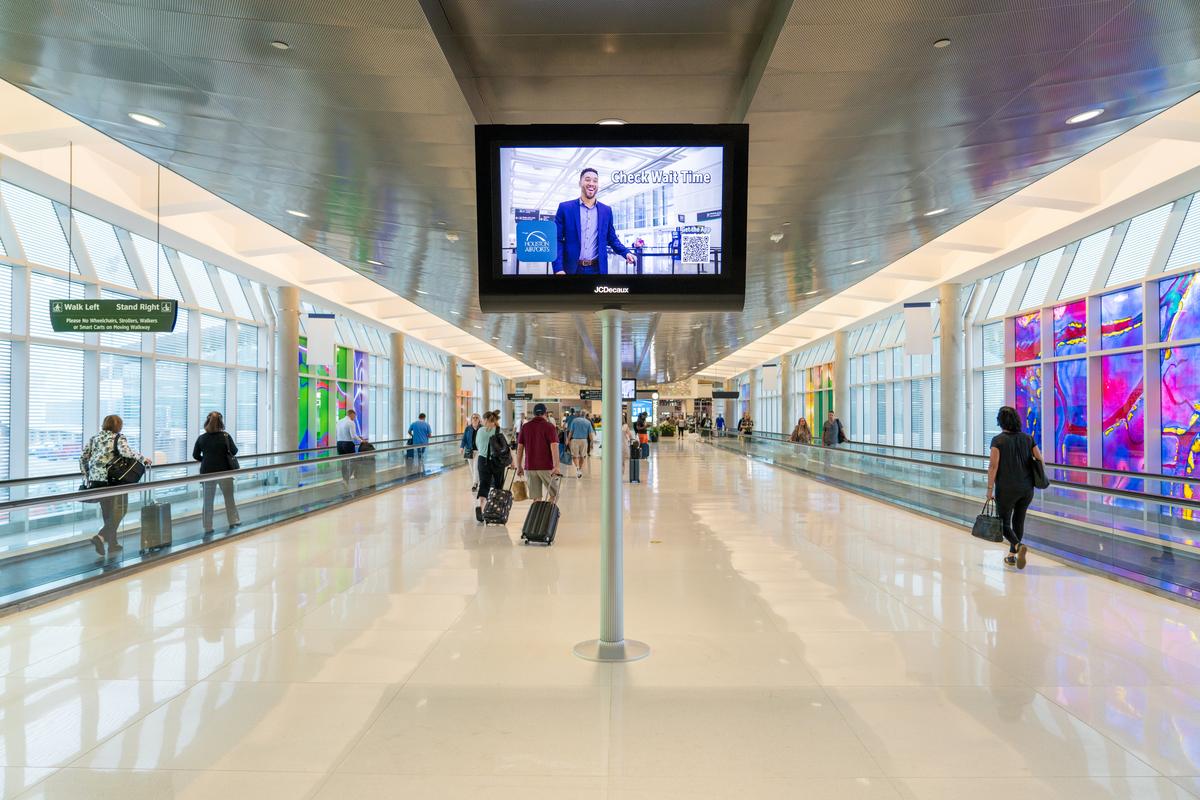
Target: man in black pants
347,438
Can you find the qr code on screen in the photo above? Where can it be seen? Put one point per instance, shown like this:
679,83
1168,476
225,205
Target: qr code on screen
693,248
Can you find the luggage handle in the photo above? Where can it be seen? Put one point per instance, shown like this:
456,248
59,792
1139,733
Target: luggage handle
512,480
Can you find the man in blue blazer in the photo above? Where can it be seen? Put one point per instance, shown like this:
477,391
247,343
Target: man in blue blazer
585,232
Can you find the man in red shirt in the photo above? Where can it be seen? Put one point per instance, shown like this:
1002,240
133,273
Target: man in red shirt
537,452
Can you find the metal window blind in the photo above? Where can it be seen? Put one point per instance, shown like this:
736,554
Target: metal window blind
1141,240
176,342
1087,261
993,343
55,410
935,410
197,276
881,413
170,411
124,340
104,251
1004,294
6,298
43,289
38,227
1039,284
919,390
246,434
5,407
121,393
1186,252
247,345
212,338
993,399
233,288
157,268
898,413
212,390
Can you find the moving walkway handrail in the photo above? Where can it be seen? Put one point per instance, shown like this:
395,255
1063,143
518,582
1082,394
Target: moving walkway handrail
1082,487
1149,476
86,495
66,476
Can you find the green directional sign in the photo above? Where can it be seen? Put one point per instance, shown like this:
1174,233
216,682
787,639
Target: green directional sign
110,316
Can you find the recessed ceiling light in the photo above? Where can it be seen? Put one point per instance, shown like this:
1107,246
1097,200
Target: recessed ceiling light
296,213
279,44
373,261
1086,116
451,236
809,294
941,43
146,119
477,327
419,291
610,121
495,338
936,212
856,263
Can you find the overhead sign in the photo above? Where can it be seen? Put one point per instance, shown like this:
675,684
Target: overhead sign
520,396
321,332
591,394
721,394
108,316
705,216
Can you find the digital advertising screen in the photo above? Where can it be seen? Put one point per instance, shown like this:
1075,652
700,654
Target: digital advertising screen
635,216
628,389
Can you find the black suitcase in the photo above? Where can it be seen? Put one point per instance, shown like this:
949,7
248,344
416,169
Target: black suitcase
499,503
156,527
542,522
635,458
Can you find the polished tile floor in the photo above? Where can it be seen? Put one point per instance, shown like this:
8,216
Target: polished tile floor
806,643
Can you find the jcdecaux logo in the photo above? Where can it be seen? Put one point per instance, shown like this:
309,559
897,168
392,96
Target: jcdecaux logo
536,240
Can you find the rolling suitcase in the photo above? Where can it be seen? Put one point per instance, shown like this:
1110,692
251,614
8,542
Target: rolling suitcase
156,523
635,458
542,523
499,503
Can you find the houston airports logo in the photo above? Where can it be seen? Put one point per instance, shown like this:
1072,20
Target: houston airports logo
536,240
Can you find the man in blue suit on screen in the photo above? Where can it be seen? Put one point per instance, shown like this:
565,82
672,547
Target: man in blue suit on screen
585,232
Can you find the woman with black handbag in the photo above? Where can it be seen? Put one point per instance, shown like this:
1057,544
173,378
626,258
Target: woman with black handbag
216,452
108,460
1011,480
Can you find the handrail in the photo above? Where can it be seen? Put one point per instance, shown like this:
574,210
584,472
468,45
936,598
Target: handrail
86,495
1082,487
439,439
1151,476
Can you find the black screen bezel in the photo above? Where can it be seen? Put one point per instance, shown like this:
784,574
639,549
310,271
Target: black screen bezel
724,292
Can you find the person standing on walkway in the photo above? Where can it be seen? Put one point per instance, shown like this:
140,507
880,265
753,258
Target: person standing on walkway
802,434
579,438
746,425
418,434
216,451
1010,480
94,460
832,433
347,442
491,474
537,453
720,424
470,453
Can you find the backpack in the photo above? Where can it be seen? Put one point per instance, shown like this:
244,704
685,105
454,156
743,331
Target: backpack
499,453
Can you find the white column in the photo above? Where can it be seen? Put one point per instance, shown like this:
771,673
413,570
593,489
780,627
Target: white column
953,412
287,372
453,386
841,379
396,397
788,401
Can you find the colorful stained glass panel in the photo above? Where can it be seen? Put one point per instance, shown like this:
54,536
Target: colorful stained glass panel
1027,336
1123,412
361,406
1029,399
1178,308
1121,318
1180,407
1070,328
1070,412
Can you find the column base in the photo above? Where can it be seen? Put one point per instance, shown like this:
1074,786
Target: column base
612,652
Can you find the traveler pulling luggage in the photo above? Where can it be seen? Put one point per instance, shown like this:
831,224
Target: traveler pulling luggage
156,522
542,523
499,502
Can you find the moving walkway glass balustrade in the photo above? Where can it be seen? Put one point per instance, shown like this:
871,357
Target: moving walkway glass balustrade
46,524
1085,516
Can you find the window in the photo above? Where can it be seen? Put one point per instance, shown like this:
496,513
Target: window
1123,413
6,298
1039,283
104,251
170,412
123,339
993,398
935,412
5,407
175,343
993,344
237,297
212,391
246,419
898,413
55,410
212,338
38,227
197,276
1087,261
43,289
919,390
1004,294
121,393
1141,240
157,268
247,345
1186,250
1070,412
1121,318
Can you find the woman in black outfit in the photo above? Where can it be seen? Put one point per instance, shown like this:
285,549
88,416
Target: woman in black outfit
1010,480
215,450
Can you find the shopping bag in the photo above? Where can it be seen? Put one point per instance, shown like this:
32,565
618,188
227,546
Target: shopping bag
520,490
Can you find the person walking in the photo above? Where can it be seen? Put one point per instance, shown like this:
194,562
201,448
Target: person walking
1010,480
418,434
579,439
802,434
94,460
746,425
629,461
470,453
347,442
216,451
720,424
832,432
537,453
491,474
